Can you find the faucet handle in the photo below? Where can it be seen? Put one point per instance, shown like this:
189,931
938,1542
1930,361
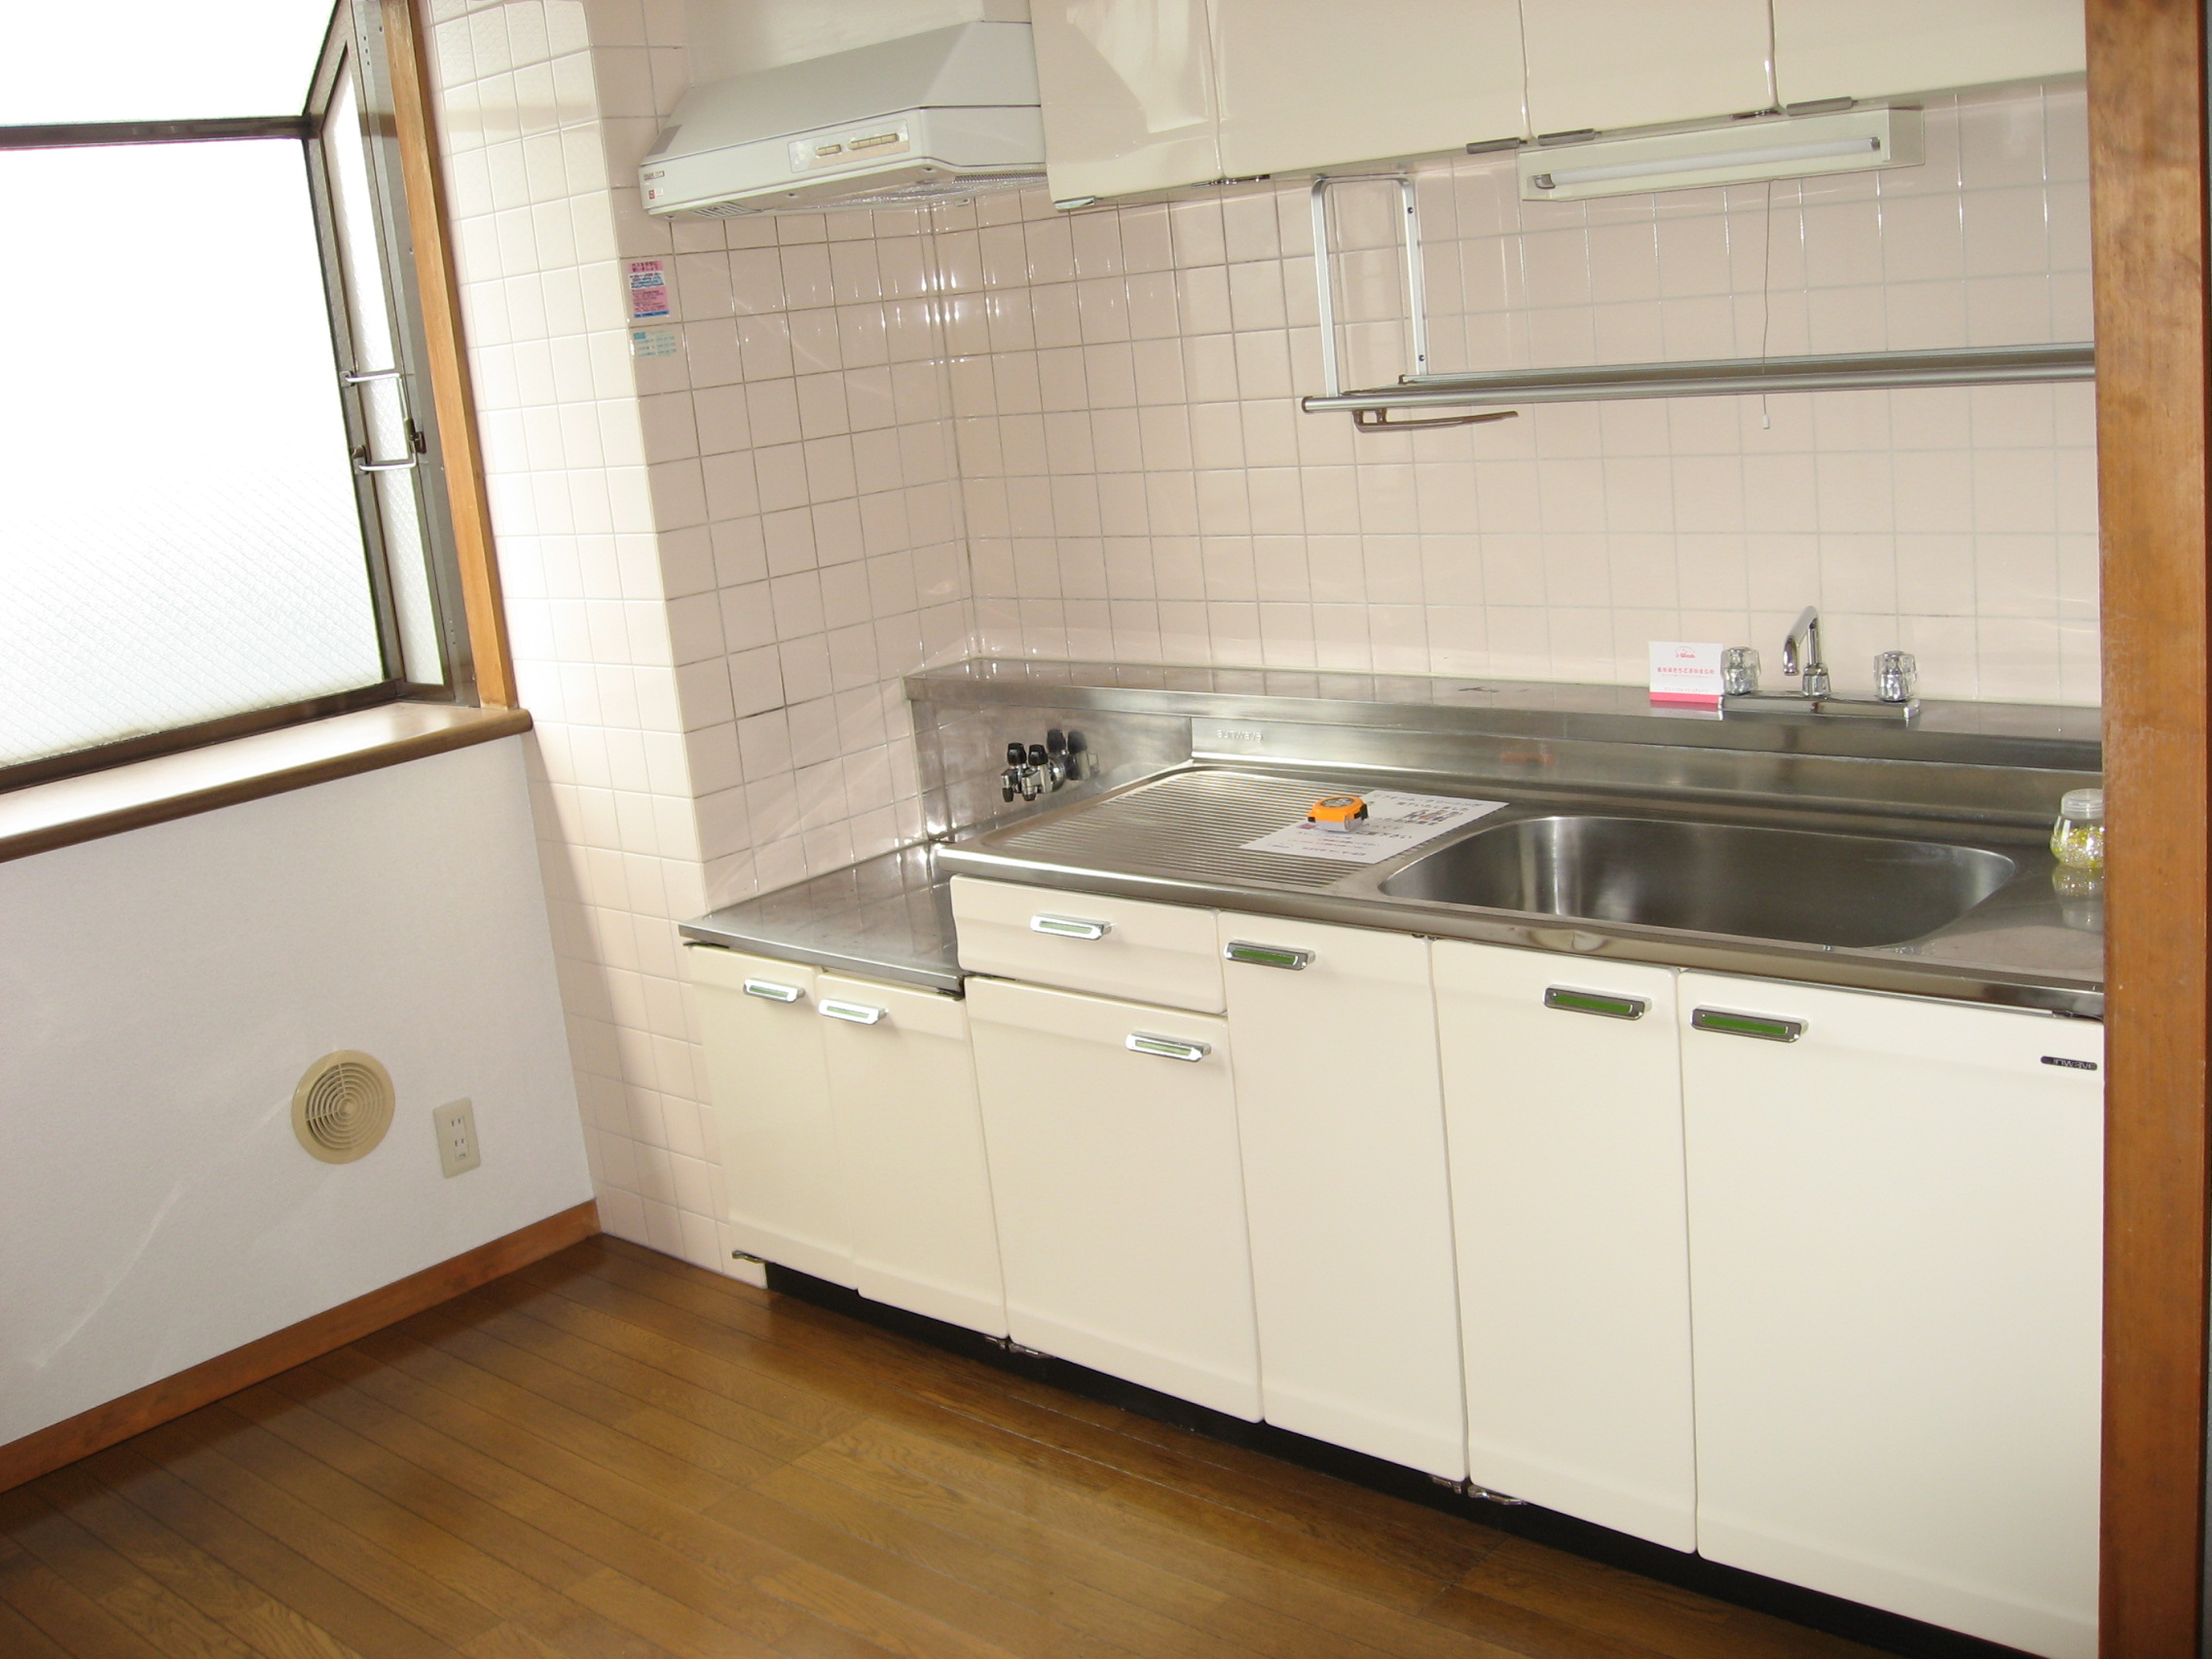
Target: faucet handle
1739,671
1895,675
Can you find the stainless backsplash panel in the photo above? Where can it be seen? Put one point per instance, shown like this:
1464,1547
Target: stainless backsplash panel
963,750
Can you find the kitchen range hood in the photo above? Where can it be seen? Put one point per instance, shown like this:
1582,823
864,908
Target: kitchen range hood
901,122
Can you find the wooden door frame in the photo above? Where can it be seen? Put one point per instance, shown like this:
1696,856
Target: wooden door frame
2148,151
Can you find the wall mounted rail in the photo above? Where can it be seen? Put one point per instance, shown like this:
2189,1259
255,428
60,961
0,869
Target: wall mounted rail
1726,377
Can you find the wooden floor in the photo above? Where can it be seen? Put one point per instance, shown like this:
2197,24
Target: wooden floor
615,1455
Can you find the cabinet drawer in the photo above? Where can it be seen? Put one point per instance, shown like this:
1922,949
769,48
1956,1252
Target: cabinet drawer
1165,954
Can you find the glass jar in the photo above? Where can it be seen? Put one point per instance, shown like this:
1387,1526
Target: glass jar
2077,838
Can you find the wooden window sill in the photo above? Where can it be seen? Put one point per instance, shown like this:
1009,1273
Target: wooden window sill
43,816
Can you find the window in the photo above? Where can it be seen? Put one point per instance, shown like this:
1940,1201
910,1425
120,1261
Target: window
221,507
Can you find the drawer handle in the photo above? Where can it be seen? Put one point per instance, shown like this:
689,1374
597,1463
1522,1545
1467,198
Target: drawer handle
1069,927
1167,1048
859,1014
1592,1002
774,992
1747,1025
1267,956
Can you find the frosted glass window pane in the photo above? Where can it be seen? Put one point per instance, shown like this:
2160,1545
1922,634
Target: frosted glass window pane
179,535
157,60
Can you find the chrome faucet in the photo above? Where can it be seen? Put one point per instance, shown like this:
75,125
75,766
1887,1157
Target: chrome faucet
1816,693
1806,628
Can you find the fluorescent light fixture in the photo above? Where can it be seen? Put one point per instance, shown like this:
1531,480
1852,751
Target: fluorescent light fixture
1743,152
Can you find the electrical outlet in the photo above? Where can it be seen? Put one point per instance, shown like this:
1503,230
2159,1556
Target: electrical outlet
457,1151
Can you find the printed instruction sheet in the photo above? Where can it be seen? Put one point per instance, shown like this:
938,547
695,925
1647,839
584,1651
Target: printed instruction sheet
1395,823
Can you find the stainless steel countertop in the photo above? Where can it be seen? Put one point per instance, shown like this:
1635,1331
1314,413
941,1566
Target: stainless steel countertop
1180,840
1977,773
886,918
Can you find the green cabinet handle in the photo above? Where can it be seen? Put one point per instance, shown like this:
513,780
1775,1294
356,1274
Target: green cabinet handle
1760,1026
1595,1002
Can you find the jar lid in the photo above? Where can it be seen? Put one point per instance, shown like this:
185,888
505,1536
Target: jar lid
2085,806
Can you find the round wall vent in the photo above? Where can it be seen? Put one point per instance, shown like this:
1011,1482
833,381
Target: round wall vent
343,1106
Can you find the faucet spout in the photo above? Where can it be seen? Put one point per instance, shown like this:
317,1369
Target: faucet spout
1815,670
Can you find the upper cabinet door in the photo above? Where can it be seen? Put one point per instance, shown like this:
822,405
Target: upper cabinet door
1610,64
1873,47
1305,83
1127,94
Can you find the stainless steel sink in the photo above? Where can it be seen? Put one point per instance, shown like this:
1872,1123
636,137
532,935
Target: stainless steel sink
1804,886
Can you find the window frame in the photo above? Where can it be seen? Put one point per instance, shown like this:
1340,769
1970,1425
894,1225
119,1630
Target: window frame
354,44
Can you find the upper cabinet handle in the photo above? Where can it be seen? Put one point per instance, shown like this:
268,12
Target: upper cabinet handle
773,992
1069,927
1760,1026
1167,1048
1595,1002
1267,956
859,1014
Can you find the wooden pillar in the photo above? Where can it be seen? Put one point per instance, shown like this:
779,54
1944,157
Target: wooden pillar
2147,139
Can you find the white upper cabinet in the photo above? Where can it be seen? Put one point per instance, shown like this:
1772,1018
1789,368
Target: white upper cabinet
1306,84
1610,64
1873,48
1128,90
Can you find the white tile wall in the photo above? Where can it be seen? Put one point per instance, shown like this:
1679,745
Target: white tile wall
892,440
1140,484
719,565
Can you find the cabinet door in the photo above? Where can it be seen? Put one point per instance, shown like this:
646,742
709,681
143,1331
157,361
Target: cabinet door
1121,1206
1342,1122
1127,87
772,1096
1894,1260
1305,83
1564,1112
903,1090
1873,48
1609,63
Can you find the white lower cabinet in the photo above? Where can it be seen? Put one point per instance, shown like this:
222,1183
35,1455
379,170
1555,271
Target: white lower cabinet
1342,1126
1894,1220
1112,1129
851,1143
771,1085
1564,1111
903,1091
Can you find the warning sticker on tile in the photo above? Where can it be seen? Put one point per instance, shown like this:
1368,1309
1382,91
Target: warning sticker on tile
1396,821
653,343
648,288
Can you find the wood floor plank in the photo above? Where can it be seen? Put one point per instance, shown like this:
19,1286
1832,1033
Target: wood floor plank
516,1315
64,1615
270,1564
133,1597
1328,1511
1116,1548
1386,1526
19,1638
1021,1564
615,1455
878,1562
658,1543
194,1450
262,1621
691,1442
1677,1623
512,1597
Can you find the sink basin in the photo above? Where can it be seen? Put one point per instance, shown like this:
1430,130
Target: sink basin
1804,886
